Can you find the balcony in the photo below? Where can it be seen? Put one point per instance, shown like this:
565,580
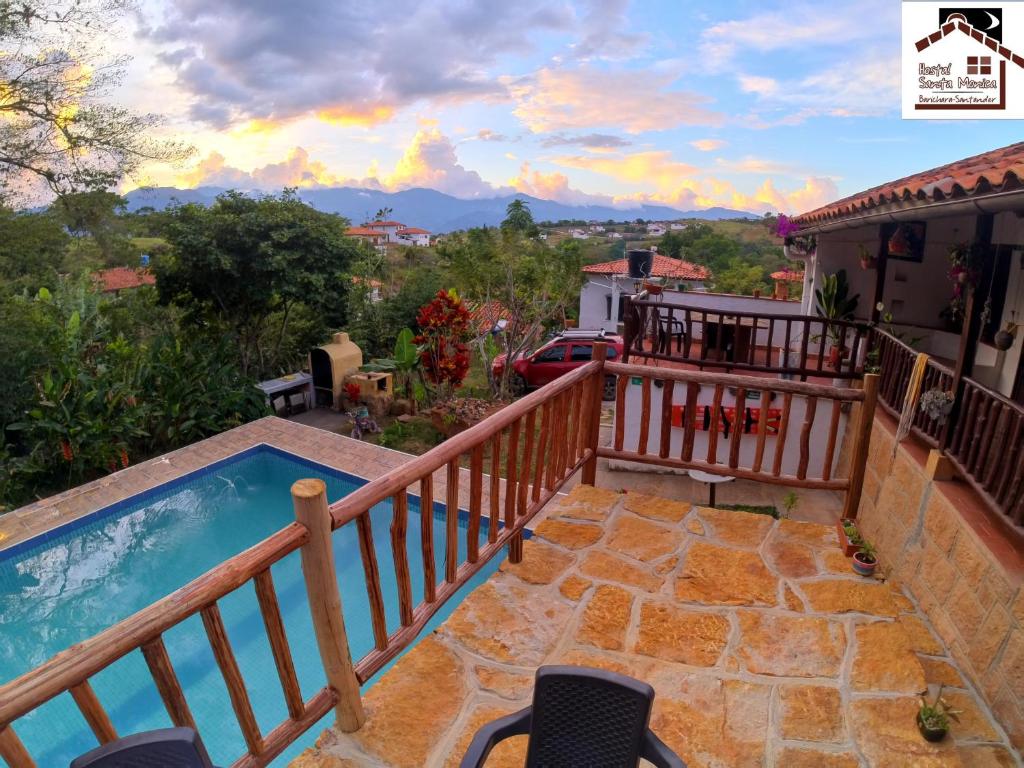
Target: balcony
730,615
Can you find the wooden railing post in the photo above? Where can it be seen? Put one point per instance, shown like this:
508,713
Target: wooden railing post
861,442
596,395
309,497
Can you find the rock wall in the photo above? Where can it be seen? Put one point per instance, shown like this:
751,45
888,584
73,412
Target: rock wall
973,598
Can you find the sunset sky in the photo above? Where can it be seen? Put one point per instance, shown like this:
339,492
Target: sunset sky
758,106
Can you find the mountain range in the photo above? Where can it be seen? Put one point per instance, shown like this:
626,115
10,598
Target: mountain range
433,210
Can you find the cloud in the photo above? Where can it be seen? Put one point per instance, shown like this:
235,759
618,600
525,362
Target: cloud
707,145
553,186
486,134
430,161
656,168
605,32
799,26
592,141
346,63
751,164
588,98
832,92
685,186
763,86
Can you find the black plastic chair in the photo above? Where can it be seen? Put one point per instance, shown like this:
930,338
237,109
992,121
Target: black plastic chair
580,717
166,748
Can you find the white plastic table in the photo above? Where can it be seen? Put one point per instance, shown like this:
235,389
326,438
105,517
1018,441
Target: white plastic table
712,481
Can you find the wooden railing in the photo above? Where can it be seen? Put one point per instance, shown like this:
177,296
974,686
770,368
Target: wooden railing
72,669
796,345
986,444
656,447
548,436
896,360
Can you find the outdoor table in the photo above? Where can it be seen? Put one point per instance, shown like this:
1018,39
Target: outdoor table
287,385
711,480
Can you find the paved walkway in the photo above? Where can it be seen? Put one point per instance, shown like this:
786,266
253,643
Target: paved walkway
763,647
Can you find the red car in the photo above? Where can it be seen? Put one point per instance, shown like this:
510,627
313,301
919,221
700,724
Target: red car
563,353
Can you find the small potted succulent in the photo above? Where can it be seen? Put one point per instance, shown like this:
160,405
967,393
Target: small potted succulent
865,559
937,404
933,716
849,537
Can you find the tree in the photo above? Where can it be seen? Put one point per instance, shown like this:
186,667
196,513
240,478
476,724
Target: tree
97,214
671,244
741,278
383,214
246,263
57,132
32,247
533,283
519,219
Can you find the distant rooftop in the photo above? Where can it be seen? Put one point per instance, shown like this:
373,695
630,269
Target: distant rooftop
120,278
788,275
664,266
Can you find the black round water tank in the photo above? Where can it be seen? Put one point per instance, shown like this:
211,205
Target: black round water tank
641,261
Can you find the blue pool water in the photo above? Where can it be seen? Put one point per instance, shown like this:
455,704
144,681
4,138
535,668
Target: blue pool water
80,579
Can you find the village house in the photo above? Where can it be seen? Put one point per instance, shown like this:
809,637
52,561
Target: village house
119,279
656,229
413,236
608,283
374,237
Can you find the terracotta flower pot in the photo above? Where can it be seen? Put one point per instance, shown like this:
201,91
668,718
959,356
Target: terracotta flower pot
845,544
863,566
931,734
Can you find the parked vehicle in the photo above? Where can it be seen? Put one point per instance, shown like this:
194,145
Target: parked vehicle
566,351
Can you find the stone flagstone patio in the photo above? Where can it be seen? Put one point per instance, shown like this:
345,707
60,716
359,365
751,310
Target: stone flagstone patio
763,647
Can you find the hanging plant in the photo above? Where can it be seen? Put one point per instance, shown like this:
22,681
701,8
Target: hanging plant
937,404
964,269
800,245
1004,339
867,261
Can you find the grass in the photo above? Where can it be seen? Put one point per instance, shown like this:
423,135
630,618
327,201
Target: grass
757,509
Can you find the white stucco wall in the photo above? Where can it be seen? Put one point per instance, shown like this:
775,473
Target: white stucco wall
748,443
916,292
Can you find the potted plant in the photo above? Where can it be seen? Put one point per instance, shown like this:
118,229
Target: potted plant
933,716
833,302
849,537
865,559
1004,339
937,404
867,261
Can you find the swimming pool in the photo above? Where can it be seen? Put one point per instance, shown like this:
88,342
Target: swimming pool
75,581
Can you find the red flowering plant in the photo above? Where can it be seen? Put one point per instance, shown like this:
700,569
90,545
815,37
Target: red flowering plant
787,229
353,392
444,326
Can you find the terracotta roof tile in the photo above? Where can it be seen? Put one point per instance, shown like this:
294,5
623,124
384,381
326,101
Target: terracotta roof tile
363,232
664,266
486,315
987,173
413,231
119,278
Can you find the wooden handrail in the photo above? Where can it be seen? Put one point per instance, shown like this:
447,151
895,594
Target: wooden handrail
83,660
386,486
730,465
860,324
736,381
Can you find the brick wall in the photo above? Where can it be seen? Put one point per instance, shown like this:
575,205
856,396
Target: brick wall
974,600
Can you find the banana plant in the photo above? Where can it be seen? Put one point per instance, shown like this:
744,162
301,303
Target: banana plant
403,363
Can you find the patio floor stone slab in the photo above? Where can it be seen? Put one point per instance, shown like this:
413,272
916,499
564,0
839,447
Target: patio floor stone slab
718,575
750,669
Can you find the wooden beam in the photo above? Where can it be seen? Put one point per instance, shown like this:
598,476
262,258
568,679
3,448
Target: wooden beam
885,232
971,331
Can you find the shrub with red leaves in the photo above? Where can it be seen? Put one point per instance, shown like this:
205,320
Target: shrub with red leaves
444,330
353,392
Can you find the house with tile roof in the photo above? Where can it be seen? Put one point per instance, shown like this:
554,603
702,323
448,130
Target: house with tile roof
413,236
608,283
119,279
